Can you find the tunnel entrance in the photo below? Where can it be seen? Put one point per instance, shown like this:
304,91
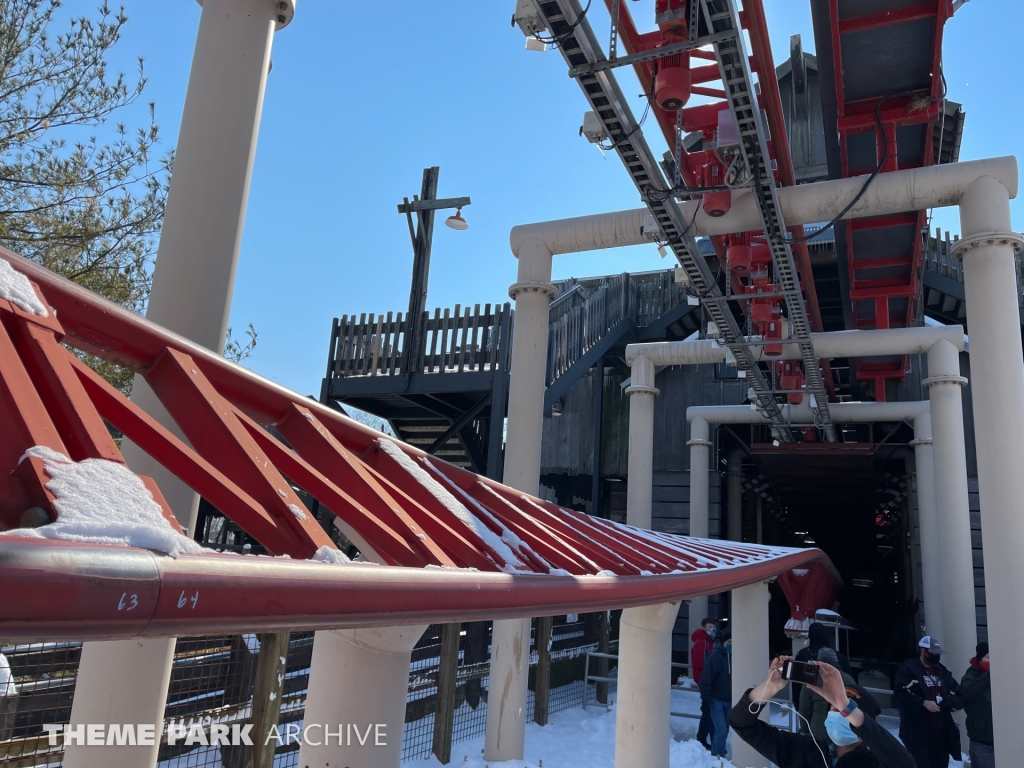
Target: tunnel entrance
852,499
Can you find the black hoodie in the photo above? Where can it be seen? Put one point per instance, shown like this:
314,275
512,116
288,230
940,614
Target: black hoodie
878,747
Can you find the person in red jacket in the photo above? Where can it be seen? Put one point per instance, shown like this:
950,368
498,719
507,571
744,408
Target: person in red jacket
703,644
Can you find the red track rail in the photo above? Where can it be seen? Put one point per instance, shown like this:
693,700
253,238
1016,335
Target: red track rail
704,118
56,590
412,509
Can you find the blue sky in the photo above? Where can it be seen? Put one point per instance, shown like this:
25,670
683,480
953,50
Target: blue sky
363,96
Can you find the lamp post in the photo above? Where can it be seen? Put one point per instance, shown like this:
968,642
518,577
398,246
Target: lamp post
421,231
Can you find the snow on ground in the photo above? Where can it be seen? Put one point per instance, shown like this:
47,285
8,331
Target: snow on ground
577,738
16,288
103,502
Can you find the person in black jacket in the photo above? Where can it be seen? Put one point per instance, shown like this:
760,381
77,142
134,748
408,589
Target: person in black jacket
976,689
927,695
716,687
858,741
818,636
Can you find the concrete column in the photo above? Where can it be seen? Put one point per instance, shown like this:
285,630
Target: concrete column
750,657
641,393
700,461
642,731
510,639
362,680
532,293
928,519
734,491
987,247
956,567
126,682
505,729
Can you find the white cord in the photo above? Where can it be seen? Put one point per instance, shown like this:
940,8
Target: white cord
767,702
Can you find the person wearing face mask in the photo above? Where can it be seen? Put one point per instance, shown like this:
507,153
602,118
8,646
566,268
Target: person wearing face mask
927,695
976,689
703,644
813,708
857,741
716,687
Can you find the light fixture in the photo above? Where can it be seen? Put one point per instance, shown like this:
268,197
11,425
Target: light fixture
456,221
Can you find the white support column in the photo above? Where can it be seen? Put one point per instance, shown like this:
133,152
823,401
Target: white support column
532,292
510,639
749,657
956,566
359,691
126,682
642,704
928,519
987,246
734,491
505,729
700,461
641,393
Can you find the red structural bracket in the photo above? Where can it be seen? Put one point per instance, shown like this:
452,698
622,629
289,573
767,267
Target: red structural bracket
386,540
66,400
184,463
885,295
209,422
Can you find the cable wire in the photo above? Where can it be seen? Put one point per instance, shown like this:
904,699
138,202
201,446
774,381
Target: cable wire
556,40
878,168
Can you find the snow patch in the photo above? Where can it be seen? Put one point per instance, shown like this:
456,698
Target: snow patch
16,288
331,555
558,572
297,511
500,548
578,738
435,567
607,573
104,502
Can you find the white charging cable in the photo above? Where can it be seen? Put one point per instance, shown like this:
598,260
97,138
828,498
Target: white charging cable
767,702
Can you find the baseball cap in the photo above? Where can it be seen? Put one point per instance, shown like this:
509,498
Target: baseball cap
931,644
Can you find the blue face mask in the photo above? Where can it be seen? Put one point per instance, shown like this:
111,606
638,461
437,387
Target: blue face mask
711,632
728,646
839,730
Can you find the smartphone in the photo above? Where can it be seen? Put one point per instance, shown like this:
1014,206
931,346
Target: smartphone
801,672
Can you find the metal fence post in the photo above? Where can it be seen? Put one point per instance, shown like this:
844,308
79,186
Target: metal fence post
603,645
266,698
542,689
447,679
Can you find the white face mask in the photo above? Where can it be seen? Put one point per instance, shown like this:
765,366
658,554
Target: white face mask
839,730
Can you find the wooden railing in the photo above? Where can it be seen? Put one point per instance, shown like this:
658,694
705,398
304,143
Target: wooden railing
580,317
454,341
938,258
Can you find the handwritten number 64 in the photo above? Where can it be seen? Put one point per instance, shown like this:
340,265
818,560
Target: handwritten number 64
183,600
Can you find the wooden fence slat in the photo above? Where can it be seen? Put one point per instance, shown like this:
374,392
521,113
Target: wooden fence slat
377,344
364,335
444,342
433,339
453,353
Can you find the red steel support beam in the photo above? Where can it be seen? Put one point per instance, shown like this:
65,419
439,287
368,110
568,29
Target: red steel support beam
193,470
387,541
209,422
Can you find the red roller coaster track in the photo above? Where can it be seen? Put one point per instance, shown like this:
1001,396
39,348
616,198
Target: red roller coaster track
412,509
